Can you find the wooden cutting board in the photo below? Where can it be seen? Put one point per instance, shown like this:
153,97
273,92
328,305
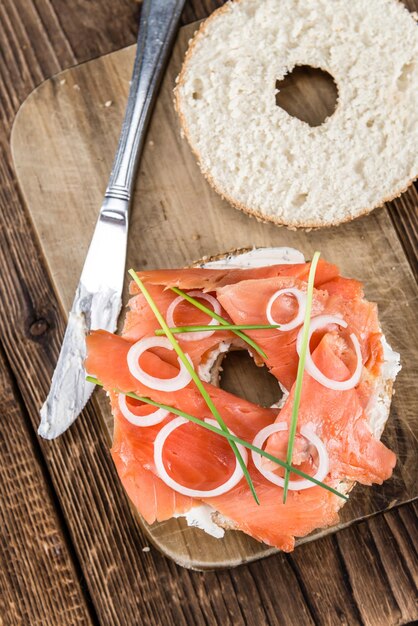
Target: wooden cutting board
63,142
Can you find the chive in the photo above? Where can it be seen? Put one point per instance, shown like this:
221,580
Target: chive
301,369
221,320
194,376
191,329
226,435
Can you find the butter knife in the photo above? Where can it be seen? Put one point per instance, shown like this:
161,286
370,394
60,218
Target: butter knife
97,301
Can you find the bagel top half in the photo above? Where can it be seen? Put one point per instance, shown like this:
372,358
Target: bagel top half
275,166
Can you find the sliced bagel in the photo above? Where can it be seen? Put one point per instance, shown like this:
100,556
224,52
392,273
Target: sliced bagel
275,166
343,402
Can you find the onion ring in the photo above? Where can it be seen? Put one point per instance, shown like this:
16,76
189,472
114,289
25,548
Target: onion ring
197,335
337,385
160,384
151,419
160,439
301,300
294,485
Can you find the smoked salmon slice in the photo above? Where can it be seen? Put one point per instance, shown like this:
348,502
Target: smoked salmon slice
201,460
242,417
247,305
210,280
140,322
271,521
340,422
151,497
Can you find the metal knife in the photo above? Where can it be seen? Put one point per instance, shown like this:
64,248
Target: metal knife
97,301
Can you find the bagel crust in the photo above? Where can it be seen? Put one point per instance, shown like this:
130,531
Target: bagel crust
275,166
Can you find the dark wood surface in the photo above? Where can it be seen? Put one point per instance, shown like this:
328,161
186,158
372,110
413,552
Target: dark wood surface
70,548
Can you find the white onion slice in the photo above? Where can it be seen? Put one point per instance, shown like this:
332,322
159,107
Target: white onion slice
161,384
338,385
197,335
296,321
193,493
294,485
151,419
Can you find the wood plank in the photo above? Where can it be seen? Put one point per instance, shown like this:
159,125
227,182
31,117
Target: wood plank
404,215
404,528
38,581
38,327
362,559
321,567
405,589
199,9
63,141
269,576
367,574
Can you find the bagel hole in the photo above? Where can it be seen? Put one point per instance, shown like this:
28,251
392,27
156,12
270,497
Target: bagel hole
307,93
242,377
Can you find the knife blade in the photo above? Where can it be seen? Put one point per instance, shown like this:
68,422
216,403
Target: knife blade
98,297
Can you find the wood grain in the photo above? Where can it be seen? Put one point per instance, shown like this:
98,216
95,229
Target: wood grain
63,141
404,215
35,555
31,326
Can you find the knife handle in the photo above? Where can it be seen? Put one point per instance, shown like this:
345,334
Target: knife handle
158,26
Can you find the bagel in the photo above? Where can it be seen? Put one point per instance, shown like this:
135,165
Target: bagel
274,166
342,413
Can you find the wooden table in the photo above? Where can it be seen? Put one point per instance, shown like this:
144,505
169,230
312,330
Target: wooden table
71,551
